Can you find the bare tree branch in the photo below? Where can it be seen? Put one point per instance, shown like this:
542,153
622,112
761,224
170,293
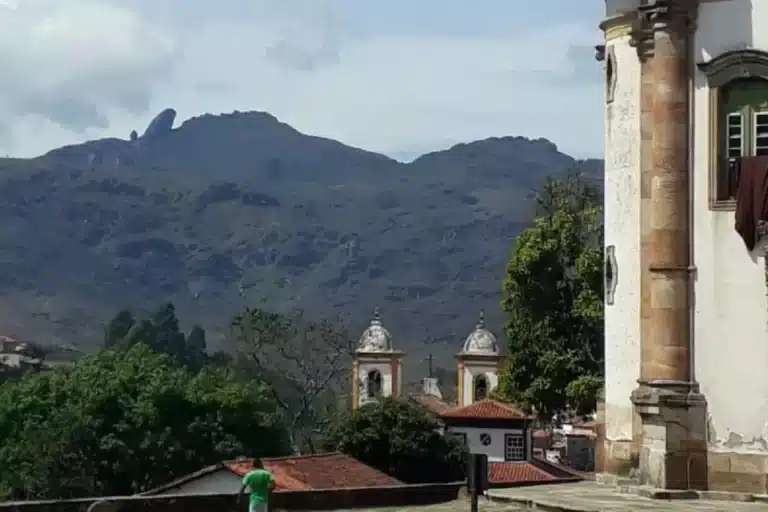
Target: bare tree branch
304,362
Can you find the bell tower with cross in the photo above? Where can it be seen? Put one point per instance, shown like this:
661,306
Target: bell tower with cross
478,367
376,368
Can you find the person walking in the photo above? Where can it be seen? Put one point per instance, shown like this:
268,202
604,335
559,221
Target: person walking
258,482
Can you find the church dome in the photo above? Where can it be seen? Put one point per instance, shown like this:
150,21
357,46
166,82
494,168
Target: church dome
481,340
376,337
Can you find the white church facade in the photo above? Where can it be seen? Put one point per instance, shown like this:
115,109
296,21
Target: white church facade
377,373
496,429
686,315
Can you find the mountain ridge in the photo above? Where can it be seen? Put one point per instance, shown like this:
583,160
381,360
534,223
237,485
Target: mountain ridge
227,210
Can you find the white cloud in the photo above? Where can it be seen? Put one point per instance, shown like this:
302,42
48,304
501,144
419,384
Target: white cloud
72,62
385,93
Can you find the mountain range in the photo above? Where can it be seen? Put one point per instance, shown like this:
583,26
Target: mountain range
241,209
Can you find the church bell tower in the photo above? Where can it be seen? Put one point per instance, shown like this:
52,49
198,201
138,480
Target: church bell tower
376,370
478,365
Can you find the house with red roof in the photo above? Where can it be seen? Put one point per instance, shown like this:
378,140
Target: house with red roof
504,434
295,473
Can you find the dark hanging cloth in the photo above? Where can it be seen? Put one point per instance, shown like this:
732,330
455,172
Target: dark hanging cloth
752,200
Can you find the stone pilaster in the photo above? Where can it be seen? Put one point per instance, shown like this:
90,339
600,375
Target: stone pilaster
396,377
355,384
600,433
673,453
672,444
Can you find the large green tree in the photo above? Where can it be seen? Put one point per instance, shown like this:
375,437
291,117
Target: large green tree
400,439
553,300
125,420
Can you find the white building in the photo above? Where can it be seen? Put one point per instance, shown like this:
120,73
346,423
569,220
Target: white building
503,433
686,396
478,365
376,367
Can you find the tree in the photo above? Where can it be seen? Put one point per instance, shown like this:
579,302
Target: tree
400,439
168,337
195,354
553,299
306,364
118,328
161,333
126,420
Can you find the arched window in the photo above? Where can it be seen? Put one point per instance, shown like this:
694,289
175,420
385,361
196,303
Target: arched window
374,384
481,387
738,85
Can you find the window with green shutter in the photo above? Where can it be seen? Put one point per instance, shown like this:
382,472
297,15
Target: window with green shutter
738,107
744,107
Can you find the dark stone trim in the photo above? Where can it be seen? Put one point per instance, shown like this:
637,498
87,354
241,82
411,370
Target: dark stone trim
600,52
611,75
729,66
612,267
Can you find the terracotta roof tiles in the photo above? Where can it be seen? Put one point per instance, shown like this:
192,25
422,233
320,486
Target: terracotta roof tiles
517,473
486,409
324,471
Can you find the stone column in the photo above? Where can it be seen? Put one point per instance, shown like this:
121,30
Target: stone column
395,377
672,451
355,384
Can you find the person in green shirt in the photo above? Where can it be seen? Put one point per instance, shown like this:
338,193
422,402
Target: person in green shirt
258,483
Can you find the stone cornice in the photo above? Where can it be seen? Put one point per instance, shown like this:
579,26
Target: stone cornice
619,25
745,63
677,17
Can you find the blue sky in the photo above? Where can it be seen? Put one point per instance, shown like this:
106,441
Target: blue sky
401,77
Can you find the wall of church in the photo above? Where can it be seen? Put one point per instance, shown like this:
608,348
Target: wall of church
471,370
622,237
496,448
731,312
385,368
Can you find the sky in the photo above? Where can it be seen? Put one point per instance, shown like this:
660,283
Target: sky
401,77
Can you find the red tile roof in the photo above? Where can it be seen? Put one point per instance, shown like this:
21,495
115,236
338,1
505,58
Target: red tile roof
517,473
486,409
324,471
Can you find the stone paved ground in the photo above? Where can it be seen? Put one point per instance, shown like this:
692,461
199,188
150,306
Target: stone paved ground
453,506
593,497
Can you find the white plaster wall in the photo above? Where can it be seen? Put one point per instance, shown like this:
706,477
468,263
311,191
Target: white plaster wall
495,450
731,339
473,369
385,367
220,482
622,230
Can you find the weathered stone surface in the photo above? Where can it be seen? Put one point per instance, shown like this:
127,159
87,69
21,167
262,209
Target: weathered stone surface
593,497
673,454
